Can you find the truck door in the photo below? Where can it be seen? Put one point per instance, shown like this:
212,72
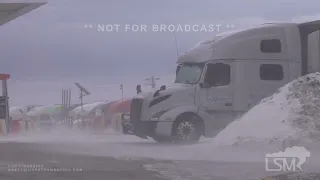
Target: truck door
263,78
215,95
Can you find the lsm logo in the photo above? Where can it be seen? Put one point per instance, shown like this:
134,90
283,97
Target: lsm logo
289,160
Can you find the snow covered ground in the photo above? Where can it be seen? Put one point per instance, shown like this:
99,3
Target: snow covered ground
204,160
293,112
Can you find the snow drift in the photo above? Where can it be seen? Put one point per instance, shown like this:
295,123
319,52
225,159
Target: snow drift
293,113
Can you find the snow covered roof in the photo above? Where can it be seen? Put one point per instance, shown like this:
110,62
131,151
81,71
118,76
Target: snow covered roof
12,9
17,113
238,44
48,109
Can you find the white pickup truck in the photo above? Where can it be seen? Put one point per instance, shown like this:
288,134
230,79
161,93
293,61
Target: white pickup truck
223,77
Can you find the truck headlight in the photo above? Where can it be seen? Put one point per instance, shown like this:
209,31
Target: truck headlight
156,116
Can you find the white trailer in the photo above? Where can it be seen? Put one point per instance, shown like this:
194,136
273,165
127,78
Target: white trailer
223,77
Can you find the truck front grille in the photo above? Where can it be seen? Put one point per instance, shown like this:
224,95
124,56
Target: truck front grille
135,112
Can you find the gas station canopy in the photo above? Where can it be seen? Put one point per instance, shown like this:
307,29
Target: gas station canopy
12,9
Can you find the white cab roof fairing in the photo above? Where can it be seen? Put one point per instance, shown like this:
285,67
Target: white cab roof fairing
12,9
241,44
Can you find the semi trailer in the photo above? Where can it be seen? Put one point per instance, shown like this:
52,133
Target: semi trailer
222,77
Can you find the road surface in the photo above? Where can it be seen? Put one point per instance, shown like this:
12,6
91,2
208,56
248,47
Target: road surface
41,165
118,157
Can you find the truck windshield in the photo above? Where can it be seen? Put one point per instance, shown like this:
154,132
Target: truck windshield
189,73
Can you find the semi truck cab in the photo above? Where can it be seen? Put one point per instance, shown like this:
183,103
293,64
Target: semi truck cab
222,77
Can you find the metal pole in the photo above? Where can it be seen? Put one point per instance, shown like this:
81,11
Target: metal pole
66,104
63,100
69,98
122,94
66,99
121,87
81,102
153,83
69,105
5,94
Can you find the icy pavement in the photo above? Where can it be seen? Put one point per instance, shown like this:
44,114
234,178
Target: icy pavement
204,160
118,145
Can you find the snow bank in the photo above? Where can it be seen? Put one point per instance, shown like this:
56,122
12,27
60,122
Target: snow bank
293,112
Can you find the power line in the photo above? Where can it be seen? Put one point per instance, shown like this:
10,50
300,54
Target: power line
108,86
112,86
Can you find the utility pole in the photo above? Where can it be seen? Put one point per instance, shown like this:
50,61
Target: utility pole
121,87
83,92
152,81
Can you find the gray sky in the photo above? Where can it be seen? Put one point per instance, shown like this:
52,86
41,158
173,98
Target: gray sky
52,45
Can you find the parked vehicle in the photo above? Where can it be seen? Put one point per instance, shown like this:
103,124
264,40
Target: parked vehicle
115,111
17,114
223,77
85,116
43,117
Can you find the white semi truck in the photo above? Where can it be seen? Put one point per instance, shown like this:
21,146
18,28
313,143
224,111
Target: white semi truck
223,77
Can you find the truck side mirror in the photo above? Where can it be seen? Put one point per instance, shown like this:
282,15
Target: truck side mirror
163,87
204,85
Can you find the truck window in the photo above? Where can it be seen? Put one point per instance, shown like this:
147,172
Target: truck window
270,46
271,72
189,73
218,75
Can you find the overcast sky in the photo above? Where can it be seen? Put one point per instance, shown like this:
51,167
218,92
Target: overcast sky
50,48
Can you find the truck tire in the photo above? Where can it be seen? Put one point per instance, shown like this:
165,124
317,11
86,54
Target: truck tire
187,129
125,130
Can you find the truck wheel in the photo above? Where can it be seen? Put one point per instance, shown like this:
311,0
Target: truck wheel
125,130
187,129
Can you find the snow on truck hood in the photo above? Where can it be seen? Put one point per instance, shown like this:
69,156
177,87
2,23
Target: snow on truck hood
169,90
176,87
292,112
